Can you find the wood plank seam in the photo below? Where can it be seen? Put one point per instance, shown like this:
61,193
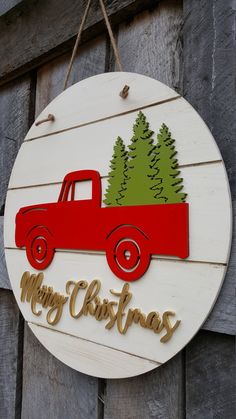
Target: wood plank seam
95,343
106,177
86,252
105,118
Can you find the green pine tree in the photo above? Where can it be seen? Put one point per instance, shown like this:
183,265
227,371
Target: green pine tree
168,191
116,175
139,175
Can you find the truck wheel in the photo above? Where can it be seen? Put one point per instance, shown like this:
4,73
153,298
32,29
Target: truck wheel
39,248
127,253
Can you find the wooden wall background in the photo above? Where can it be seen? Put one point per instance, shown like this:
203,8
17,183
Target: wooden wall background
191,46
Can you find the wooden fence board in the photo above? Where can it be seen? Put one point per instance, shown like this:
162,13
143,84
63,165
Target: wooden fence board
11,335
89,61
157,394
4,279
209,43
147,49
150,44
64,391
35,30
7,5
14,120
51,389
210,377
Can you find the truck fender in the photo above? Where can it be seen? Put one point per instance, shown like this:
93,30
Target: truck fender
127,225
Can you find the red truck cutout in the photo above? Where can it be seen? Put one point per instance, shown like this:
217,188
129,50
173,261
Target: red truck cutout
128,234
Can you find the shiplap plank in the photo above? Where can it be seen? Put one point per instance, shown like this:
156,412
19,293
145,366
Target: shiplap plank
178,286
11,336
209,42
210,377
51,389
74,394
88,357
14,122
89,61
91,147
209,210
158,394
98,98
4,279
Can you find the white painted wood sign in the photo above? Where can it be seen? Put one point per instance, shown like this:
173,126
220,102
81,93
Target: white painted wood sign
118,225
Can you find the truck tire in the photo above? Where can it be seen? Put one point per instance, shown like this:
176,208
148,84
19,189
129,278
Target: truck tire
39,248
127,253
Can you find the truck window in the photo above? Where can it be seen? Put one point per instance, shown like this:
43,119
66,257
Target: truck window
81,191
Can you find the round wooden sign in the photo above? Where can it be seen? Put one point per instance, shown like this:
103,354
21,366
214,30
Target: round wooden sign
117,225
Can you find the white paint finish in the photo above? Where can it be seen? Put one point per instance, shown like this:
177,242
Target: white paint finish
90,358
91,147
187,288
209,206
98,97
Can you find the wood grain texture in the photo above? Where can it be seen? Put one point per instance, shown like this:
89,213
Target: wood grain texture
7,5
97,98
222,318
89,61
151,43
14,120
210,377
175,285
89,357
52,389
74,153
32,39
209,209
158,394
76,395
209,85
4,279
11,335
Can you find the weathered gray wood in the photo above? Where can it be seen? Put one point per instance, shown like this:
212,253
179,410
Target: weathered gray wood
6,5
157,394
210,377
36,30
223,316
11,335
14,124
150,44
89,61
53,390
209,56
209,65
4,279
64,391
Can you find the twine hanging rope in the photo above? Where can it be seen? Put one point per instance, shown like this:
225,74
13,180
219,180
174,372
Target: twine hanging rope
81,28
125,91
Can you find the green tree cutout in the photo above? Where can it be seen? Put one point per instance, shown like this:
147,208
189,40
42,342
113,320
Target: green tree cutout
116,175
168,191
139,176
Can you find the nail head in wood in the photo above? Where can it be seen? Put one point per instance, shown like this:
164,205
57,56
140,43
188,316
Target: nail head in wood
49,118
124,92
